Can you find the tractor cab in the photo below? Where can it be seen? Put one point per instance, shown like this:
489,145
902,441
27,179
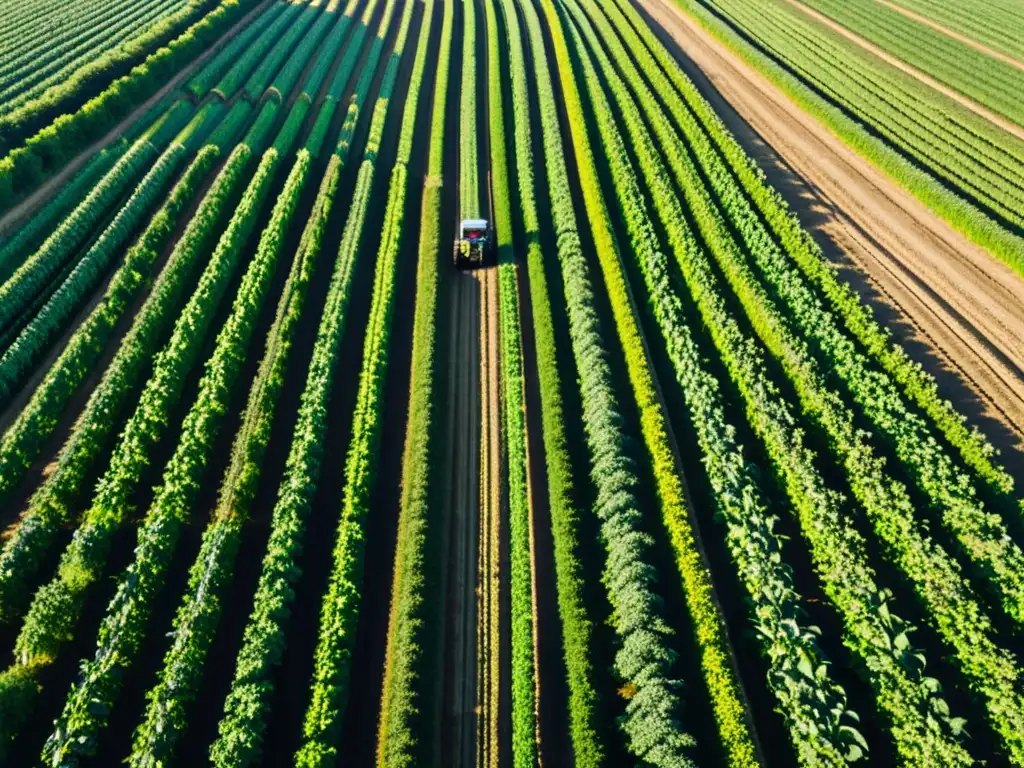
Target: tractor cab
474,243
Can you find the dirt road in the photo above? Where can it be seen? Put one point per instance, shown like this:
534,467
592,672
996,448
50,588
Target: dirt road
956,309
951,33
458,730
489,667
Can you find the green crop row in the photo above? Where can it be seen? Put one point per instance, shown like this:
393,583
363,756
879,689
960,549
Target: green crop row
412,628
813,704
340,607
243,723
714,139
946,596
577,625
53,504
270,61
16,361
213,70
644,658
513,401
195,623
47,150
57,606
256,51
960,214
37,271
124,624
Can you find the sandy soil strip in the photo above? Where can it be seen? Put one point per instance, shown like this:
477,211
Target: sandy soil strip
490,521
957,311
1007,125
955,35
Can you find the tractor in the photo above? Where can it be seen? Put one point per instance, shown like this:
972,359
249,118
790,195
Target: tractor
474,244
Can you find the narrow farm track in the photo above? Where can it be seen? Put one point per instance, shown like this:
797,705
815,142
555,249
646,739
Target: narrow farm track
491,736
957,310
953,34
1007,125
461,452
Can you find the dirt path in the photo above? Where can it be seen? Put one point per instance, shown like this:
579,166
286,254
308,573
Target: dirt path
955,35
490,591
51,185
998,120
463,452
956,310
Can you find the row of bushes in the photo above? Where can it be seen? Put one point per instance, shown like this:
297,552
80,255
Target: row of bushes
836,547
53,504
413,624
340,607
813,704
90,701
577,626
46,151
167,711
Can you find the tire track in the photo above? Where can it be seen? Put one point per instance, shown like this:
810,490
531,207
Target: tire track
463,451
491,575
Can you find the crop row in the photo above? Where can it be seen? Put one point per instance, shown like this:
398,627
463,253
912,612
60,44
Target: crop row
836,548
215,68
24,81
409,680
54,503
963,216
956,146
44,152
644,658
195,623
811,701
513,417
577,624
123,628
37,271
57,606
948,599
245,709
92,267
992,82
270,61
340,608
681,98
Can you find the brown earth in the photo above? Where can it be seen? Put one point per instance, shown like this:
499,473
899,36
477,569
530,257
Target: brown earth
954,308
1007,125
491,528
462,450
955,35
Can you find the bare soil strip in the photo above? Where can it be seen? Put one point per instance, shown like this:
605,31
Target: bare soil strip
955,35
955,309
1007,125
463,450
488,654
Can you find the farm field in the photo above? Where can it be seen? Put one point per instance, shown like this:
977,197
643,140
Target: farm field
511,383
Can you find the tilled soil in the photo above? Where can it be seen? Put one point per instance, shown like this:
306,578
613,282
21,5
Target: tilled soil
462,448
953,307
